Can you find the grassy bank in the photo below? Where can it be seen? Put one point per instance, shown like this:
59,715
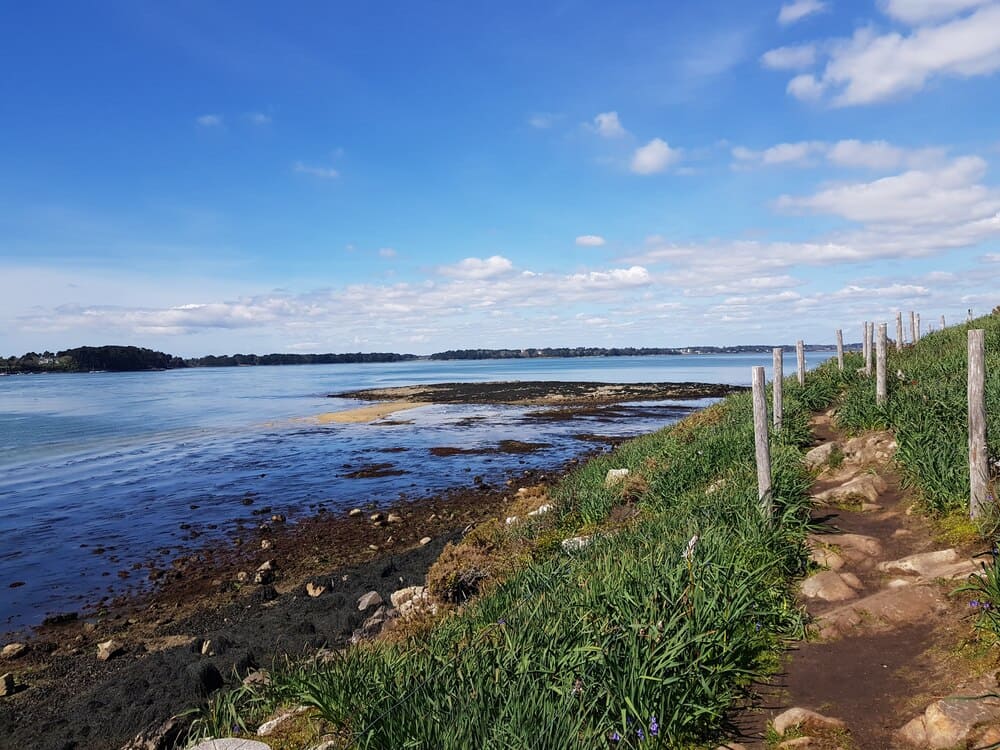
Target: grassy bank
641,637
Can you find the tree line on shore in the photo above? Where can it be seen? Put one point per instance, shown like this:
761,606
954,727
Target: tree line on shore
134,358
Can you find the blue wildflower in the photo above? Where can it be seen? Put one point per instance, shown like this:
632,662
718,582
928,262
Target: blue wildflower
615,737
640,734
974,603
654,726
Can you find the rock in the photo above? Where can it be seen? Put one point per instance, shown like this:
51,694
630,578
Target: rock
371,599
871,507
401,597
393,518
511,520
803,717
818,455
259,677
826,558
541,509
161,736
355,512
108,650
266,544
575,544
371,627
828,586
277,518
883,610
13,650
949,722
425,540
328,745
7,685
373,547
945,563
800,743
269,727
314,590
376,517
265,572
854,548
615,476
731,746
229,743
242,577
866,486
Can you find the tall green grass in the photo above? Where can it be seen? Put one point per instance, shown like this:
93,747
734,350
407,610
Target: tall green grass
927,409
628,642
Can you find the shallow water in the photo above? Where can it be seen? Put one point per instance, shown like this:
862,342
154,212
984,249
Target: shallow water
99,471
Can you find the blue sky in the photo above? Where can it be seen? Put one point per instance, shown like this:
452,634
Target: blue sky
217,177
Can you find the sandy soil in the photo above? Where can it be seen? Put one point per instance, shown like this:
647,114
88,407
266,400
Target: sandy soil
368,413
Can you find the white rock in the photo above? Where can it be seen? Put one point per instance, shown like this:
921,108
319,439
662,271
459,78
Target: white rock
401,597
575,544
818,455
314,590
425,540
797,717
511,520
371,599
867,486
541,509
945,563
13,650
7,685
393,518
108,649
615,476
826,558
355,512
268,727
829,586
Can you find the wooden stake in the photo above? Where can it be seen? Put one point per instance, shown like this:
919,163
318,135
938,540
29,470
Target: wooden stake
913,327
881,393
868,348
943,326
800,355
977,425
762,447
840,349
777,405
899,332
917,337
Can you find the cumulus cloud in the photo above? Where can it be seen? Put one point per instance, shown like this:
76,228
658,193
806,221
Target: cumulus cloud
874,66
796,11
210,121
590,240
655,156
789,58
607,125
325,173
478,268
850,153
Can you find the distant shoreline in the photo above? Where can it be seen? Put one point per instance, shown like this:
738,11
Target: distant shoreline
136,359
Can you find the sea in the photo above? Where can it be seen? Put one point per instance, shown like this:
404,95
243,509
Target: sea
99,471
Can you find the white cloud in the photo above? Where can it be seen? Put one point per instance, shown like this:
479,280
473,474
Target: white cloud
872,67
210,121
326,173
799,9
607,125
542,120
802,153
850,153
915,12
590,240
258,118
655,156
991,258
948,194
478,268
789,58
900,291
387,252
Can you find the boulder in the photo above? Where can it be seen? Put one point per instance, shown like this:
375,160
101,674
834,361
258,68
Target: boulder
865,486
949,722
883,610
945,563
108,650
371,599
826,558
7,685
401,597
830,586
803,717
13,650
818,455
615,476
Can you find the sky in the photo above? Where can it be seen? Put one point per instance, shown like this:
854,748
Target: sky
217,177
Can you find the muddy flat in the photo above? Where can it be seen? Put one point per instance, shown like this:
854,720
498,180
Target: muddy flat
541,393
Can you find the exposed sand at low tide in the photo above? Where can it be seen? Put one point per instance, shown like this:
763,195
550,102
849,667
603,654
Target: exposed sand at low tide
368,413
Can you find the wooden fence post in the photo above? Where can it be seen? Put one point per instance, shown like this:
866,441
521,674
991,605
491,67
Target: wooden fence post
899,331
977,424
777,355
970,314
762,447
840,349
800,356
881,393
943,326
917,337
868,348
913,327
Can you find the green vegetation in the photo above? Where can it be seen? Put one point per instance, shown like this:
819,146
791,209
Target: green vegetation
650,633
87,358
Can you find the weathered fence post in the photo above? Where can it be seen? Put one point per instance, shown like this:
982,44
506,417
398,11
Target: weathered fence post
777,406
943,326
913,327
881,393
899,331
840,349
762,447
977,424
970,314
868,348
800,356
917,337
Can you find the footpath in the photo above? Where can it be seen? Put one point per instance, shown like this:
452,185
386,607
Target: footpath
891,662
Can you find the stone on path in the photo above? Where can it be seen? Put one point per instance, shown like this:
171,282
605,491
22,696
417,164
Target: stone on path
826,558
13,650
800,743
945,563
371,599
866,486
949,722
883,610
230,743
615,476
803,717
818,455
831,586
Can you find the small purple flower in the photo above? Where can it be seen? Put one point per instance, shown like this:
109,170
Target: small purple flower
654,726
615,737
501,621
974,603
640,734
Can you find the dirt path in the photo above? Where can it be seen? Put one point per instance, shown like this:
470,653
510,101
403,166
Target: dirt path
891,642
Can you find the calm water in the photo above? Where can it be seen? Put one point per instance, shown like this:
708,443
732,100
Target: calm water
116,460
